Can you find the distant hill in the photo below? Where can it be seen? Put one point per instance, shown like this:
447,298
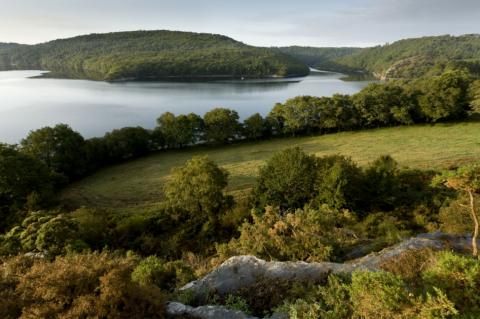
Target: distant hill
412,58
150,55
4,46
320,58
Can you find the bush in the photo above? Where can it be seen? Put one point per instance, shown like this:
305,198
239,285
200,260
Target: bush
165,275
456,217
24,181
378,295
286,180
330,301
457,276
308,235
339,182
409,265
79,286
44,231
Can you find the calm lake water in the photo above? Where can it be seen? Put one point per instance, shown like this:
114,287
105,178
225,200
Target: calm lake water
93,108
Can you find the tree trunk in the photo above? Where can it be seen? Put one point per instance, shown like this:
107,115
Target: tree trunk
475,223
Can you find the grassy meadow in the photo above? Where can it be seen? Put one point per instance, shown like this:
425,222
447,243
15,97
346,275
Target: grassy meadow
138,184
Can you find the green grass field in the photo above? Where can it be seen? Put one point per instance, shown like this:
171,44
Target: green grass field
138,184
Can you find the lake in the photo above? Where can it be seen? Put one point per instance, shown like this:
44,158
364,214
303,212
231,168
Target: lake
93,108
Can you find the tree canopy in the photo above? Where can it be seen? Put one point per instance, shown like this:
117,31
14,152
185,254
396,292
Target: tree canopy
151,55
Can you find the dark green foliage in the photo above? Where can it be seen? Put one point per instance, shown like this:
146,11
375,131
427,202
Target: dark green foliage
459,277
44,232
195,199
381,182
320,58
125,143
442,98
221,126
456,217
151,55
412,58
304,234
59,147
165,275
297,115
197,187
24,181
180,131
339,182
255,127
383,105
368,295
445,97
474,96
96,153
286,180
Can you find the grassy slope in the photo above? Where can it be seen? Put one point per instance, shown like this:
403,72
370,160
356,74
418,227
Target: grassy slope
138,184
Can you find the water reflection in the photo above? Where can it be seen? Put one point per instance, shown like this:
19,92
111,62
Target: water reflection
93,107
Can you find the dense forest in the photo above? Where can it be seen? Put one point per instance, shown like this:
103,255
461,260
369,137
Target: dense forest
409,58
321,58
157,55
150,55
412,58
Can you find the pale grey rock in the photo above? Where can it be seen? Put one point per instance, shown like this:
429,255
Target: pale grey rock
205,312
244,271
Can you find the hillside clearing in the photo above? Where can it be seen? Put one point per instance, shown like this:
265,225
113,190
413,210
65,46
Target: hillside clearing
138,184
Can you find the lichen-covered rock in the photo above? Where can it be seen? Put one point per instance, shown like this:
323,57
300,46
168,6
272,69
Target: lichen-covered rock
205,312
243,271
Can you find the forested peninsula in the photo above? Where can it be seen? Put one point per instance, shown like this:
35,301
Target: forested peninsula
150,55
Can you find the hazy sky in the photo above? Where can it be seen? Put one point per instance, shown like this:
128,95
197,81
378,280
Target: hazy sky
257,22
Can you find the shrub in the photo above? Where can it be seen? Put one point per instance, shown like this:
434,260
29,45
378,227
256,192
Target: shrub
339,182
459,278
308,234
44,231
165,275
85,286
237,303
287,179
456,217
409,265
266,295
378,295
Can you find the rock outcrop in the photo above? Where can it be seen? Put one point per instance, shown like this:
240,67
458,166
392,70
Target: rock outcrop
244,271
205,312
